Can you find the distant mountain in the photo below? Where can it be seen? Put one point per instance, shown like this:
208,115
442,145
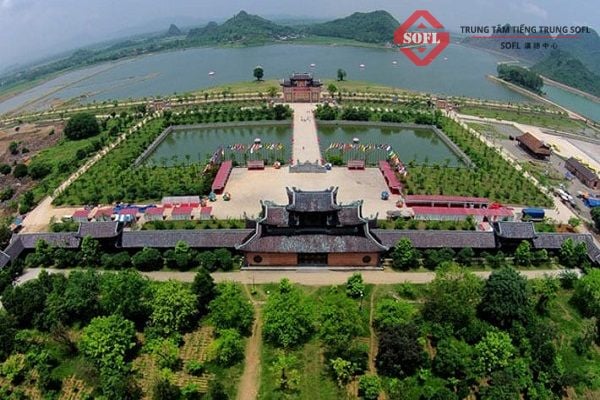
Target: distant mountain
173,30
563,67
586,48
242,28
372,27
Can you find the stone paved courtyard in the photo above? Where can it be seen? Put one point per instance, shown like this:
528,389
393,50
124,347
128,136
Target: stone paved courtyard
247,188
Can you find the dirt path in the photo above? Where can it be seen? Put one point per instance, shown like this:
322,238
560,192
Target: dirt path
372,335
320,278
250,380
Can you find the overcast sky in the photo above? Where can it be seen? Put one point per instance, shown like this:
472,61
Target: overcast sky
30,29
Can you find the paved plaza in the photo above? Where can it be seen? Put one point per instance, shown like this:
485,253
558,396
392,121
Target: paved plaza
247,188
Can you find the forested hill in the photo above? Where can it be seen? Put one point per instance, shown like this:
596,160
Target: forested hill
243,27
563,67
372,27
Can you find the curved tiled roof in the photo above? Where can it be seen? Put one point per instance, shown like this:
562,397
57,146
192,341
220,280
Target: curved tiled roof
208,238
438,239
312,244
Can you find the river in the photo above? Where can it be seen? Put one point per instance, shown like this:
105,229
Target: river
457,71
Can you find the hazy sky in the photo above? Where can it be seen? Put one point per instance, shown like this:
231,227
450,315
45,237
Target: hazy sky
30,29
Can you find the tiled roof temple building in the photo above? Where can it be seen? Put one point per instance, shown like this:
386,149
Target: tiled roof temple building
311,230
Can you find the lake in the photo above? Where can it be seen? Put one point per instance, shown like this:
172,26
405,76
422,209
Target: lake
421,145
459,71
198,145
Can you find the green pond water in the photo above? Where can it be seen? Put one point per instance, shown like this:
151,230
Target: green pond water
198,145
421,145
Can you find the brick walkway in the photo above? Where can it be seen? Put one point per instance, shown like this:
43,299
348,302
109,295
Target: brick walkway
306,140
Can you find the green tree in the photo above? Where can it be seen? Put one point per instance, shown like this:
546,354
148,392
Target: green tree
453,359
596,217
400,352
39,170
369,387
331,88
81,126
453,296
126,293
342,371
8,330
216,391
392,313
341,74
164,389
207,260
174,308
165,352
204,288
340,322
587,294
505,298
404,255
90,252
258,72
355,287
107,340
148,259
231,309
571,254
224,259
465,256
284,368
493,352
78,302
523,254
272,91
228,348
20,171
289,316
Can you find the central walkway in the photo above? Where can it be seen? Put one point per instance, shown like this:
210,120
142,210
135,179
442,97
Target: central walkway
306,141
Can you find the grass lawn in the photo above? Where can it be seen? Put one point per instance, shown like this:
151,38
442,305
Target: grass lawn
314,383
547,120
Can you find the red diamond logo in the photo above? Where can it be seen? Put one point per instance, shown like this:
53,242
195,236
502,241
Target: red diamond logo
421,40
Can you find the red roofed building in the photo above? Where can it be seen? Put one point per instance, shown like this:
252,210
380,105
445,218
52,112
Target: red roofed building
154,214
104,214
182,213
462,213
205,213
445,201
81,216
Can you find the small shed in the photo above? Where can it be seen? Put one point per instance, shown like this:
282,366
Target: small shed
104,214
128,214
206,213
154,214
534,146
182,213
585,174
81,216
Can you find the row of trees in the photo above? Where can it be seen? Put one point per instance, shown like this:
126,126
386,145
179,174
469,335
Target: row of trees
405,256
91,255
111,179
493,177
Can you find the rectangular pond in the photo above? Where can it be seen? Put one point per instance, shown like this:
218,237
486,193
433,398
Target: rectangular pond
424,146
198,144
